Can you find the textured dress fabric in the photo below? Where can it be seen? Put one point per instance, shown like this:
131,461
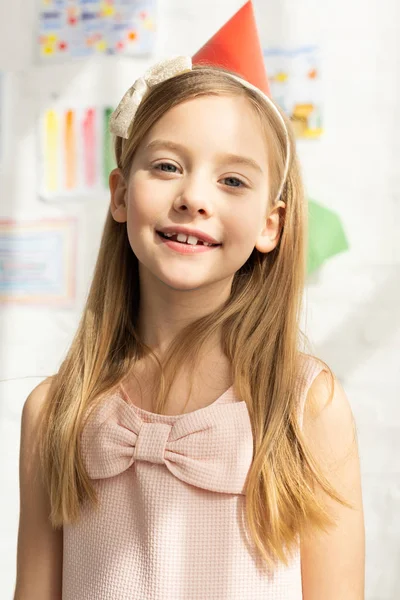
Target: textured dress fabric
170,521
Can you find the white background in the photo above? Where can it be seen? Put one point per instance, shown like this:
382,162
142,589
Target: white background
353,317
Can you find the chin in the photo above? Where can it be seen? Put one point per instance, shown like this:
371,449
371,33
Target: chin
180,284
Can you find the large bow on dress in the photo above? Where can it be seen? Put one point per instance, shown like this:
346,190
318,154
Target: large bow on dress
210,448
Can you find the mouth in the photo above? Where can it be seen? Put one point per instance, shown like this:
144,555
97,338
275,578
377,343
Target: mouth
185,240
186,245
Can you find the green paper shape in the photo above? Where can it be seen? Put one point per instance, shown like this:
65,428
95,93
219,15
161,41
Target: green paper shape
108,155
326,236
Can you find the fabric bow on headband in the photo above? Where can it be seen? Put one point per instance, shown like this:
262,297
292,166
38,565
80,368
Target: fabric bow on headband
122,118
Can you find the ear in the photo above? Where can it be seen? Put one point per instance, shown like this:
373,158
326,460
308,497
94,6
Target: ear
118,191
270,234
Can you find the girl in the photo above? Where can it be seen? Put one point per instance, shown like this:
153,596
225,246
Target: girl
187,448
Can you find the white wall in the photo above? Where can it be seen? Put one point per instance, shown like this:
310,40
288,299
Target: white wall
353,316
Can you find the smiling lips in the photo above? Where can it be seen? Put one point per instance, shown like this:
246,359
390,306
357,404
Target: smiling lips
192,236
185,244
186,239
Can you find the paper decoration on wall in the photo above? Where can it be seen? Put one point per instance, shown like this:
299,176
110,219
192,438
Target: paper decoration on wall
326,235
76,154
80,28
38,262
295,81
1,115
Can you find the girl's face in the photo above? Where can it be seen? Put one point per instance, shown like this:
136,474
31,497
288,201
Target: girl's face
203,166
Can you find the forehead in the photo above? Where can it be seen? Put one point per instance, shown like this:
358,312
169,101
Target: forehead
214,124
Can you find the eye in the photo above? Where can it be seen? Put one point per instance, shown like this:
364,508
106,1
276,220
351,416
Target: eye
166,167
234,182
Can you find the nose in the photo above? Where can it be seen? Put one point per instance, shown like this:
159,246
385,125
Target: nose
194,196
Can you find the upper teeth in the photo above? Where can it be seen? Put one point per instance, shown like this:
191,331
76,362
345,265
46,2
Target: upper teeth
189,239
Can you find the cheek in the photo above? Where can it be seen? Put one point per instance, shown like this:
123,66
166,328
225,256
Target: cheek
140,218
141,203
243,226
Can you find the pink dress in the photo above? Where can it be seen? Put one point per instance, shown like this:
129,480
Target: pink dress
170,520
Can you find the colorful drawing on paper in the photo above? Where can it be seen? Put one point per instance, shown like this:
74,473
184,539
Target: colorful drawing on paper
79,28
38,262
295,81
76,154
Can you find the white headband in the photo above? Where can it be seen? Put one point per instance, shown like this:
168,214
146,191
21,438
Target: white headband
122,118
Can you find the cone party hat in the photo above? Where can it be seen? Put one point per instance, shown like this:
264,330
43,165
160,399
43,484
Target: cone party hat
236,46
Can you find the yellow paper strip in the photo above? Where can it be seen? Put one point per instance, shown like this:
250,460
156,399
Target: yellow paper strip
51,146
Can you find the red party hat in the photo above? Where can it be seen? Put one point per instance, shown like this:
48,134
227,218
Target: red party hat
236,46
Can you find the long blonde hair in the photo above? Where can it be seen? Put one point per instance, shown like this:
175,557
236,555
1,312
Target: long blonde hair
260,334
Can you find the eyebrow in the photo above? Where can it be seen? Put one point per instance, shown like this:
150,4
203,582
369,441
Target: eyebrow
226,157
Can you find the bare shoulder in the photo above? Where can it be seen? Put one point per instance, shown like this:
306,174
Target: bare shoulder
327,408
39,548
330,431
29,438
34,403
